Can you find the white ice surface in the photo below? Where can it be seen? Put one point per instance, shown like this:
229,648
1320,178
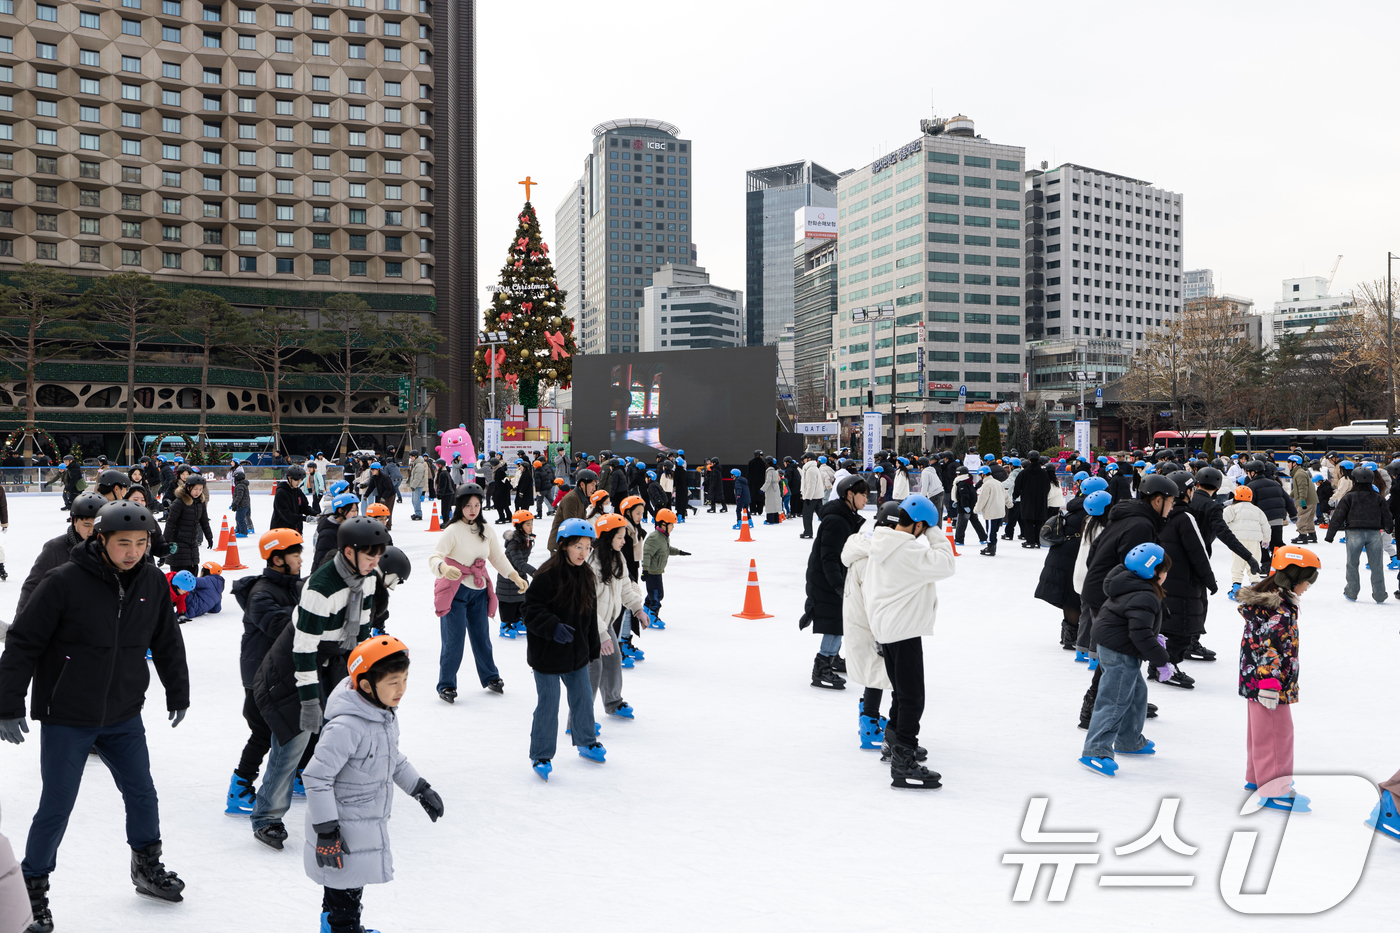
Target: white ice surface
739,799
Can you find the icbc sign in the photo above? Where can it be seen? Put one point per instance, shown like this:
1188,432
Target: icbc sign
638,144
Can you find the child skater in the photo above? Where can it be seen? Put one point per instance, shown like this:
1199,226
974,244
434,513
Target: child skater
1127,628
743,498
561,636
349,782
1269,674
633,509
617,597
992,502
655,553
863,661
517,543
597,505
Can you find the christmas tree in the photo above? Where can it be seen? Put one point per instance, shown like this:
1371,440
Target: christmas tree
529,308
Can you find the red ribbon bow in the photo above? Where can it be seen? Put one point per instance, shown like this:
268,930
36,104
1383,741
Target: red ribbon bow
494,360
556,345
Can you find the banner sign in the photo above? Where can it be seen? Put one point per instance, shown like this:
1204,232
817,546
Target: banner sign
870,437
1081,440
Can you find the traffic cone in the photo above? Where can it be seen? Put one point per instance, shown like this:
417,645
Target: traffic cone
753,602
223,535
951,542
433,525
744,527
231,561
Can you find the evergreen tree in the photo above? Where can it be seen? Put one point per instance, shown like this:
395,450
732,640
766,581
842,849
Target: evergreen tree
960,443
529,307
989,438
1209,446
1043,436
1227,443
1018,432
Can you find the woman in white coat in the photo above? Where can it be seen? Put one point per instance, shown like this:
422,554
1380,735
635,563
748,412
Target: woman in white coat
863,662
992,503
615,592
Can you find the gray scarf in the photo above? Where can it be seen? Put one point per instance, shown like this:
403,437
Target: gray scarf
349,635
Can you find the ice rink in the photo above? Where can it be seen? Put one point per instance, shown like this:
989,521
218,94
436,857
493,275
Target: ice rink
739,798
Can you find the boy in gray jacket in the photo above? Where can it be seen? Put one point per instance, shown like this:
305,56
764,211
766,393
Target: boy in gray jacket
349,792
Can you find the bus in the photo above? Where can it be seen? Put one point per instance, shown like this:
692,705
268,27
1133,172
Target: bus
1359,438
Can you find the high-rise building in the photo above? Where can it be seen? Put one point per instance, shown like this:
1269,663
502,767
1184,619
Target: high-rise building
639,218
570,246
773,194
1197,283
1103,267
684,311
814,260
930,252
305,149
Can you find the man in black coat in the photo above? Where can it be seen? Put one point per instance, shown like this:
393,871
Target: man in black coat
947,469
82,640
1271,498
1032,487
544,485
1187,583
826,577
1210,519
793,474
757,469
58,551
1137,521
714,486
1368,522
289,506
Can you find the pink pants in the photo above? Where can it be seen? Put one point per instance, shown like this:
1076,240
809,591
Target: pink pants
1269,749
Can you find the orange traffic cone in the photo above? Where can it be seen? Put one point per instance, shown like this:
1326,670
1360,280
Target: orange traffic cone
744,527
223,535
433,525
753,602
231,561
951,542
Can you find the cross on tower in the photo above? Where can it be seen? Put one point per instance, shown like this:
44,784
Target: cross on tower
528,185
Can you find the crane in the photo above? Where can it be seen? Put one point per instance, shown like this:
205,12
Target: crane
1333,277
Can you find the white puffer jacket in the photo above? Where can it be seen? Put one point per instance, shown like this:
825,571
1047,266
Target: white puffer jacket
930,484
901,599
863,663
1247,521
614,595
992,499
812,487
901,485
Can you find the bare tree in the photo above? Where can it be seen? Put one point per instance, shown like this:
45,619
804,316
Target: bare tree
408,349
39,300
268,339
202,319
131,303
345,344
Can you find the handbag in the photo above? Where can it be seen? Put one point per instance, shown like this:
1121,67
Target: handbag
1053,531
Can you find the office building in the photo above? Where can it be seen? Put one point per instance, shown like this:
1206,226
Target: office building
638,215
682,310
569,253
302,149
814,261
772,195
1307,310
931,235
1197,283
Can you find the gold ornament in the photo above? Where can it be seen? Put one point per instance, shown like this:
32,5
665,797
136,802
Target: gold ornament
552,373
524,354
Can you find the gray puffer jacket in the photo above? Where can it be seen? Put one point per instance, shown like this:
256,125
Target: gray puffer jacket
350,780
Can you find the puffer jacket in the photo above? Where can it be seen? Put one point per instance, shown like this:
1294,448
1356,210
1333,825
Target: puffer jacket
289,507
1057,576
350,781
517,547
772,491
991,500
268,602
900,487
1304,492
1247,521
1269,646
615,594
241,498
901,599
206,597
1130,618
418,475
1361,509
542,619
812,481
186,523
1272,500
326,531
1190,577
826,574
1130,523
863,662
54,553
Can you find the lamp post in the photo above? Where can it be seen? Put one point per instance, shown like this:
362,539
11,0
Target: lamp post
492,338
1389,349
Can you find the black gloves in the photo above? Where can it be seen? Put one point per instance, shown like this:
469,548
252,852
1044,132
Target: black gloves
1212,587
682,553
563,634
425,795
329,846
1254,567
177,716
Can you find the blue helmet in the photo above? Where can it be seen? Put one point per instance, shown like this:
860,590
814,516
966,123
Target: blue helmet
1112,468
375,465
1348,465
1140,464
821,460
920,509
341,500
184,580
735,473
904,460
1143,560
337,487
179,459
1097,503
988,457
576,528
1296,459
651,474
1150,469
1081,476
1092,485
879,469
1103,460
984,470
680,453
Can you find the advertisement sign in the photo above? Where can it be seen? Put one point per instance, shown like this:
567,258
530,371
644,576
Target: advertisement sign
492,441
982,407
819,427
870,437
814,225
1081,440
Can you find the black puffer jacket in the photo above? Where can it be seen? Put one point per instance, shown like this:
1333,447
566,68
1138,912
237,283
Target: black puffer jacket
616,487
542,618
1361,509
275,688
82,639
1129,524
1210,518
326,530
54,553
1032,487
1057,576
517,547
186,523
268,601
1121,486
1190,577
1276,504
289,507
826,574
1131,617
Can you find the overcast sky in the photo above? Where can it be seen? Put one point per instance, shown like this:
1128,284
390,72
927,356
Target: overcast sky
1274,120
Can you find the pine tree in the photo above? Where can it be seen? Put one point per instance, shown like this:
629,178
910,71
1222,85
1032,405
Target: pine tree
1043,436
1227,443
989,438
1018,432
529,307
960,443
1209,446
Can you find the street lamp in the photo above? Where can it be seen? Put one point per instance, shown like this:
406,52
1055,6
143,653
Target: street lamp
1389,348
491,338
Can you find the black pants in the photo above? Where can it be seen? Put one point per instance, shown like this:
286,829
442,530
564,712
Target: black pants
1013,516
963,519
259,739
1178,645
904,662
993,526
809,509
1275,541
1030,529
870,702
510,612
343,905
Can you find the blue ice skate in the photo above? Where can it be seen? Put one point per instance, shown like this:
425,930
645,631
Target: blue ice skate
1081,657
636,654
871,735
1394,564
1104,766
1093,664
542,768
1249,786
520,629
507,630
326,924
1295,803
1234,592
1384,818
657,624
240,797
627,662
624,712
298,789
594,752
1149,749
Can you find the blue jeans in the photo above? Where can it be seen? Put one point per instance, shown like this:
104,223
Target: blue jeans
831,646
243,520
1121,707
1372,541
467,617
417,503
544,729
275,792
656,591
63,753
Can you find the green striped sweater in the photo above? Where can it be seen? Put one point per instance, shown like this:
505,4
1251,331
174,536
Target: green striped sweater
321,617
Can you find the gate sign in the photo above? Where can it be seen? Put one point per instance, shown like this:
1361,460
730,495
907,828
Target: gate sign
819,427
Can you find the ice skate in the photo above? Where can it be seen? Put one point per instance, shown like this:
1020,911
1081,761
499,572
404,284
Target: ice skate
1384,818
38,889
448,694
594,752
822,674
905,771
871,735
151,876
240,796
624,712
272,835
542,768
1104,766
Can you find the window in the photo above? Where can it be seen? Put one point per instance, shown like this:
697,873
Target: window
168,98
87,86
320,48
359,267
321,163
284,134
358,241
320,83
321,110
285,212
213,208
213,76
131,202
320,267
247,44
89,170
213,236
170,205
284,186
89,21
169,34
88,197
393,192
50,80
393,167
247,212
284,20
170,233
247,105
247,238
285,160
89,225
393,115
357,85
393,218
358,215
1005,165
393,141
393,89
213,264
320,22
130,147
393,270
46,193
247,184
286,239
247,131
393,29
46,222
247,264
393,244
213,14
131,257
129,63
49,14
87,140
282,45
213,183
213,40
357,51
167,151
320,241
247,16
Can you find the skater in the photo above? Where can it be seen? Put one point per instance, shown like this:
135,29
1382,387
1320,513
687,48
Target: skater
901,601
1056,585
826,578
444,488
772,492
992,503
58,551
561,625
965,496
187,518
715,486
350,783
500,491
207,595
1269,674
113,484
573,505
619,601
1277,505
1366,519
931,484
242,505
1249,526
289,506
755,473
598,504
743,500
158,549
69,630
267,601
1033,489
517,543
863,659
1191,577
315,485
462,594
418,479
383,491
1305,498
544,484
1126,628
656,552
813,492
344,506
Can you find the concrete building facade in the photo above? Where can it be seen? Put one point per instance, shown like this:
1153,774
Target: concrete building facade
684,311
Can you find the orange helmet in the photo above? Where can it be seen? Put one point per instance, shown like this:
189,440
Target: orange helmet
559,481
278,539
378,510
629,503
598,496
605,523
1292,555
371,651
213,568
537,464
667,516
524,515
1244,494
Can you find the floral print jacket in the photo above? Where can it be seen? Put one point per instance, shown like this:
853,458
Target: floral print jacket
1269,647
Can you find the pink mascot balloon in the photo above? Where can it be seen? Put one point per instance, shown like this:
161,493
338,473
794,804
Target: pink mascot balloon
457,441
